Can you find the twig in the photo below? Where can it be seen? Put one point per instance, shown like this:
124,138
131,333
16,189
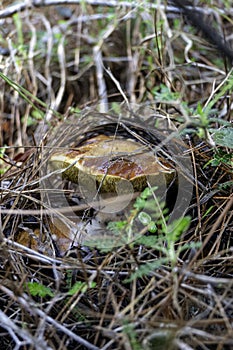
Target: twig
11,10
26,303
23,333
198,20
118,85
62,63
102,88
213,229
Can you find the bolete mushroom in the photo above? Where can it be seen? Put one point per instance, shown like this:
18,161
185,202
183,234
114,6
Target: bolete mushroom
110,159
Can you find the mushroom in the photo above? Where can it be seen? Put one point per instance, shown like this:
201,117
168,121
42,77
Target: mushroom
110,159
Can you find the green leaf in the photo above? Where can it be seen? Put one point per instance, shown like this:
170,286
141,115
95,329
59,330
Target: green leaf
225,185
224,137
141,201
38,289
116,226
80,287
149,241
146,269
177,227
37,114
164,93
152,228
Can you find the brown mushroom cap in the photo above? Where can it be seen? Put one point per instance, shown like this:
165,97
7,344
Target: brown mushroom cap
111,159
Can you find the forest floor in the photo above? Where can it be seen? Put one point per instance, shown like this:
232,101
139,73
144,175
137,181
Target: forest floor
79,270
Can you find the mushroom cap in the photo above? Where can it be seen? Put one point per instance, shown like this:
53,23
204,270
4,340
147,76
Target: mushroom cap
110,159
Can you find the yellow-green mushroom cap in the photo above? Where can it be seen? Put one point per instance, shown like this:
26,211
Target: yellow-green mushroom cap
111,159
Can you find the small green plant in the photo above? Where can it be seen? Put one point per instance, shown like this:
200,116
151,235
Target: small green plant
224,137
117,226
147,225
125,231
38,289
202,118
27,96
129,330
163,93
35,117
226,185
221,157
165,243
80,287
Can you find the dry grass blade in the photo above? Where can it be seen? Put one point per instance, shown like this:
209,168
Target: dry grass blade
155,273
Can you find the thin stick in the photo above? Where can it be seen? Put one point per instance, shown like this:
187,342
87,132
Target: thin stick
11,10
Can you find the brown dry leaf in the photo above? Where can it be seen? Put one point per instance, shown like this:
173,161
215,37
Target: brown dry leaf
62,235
29,238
